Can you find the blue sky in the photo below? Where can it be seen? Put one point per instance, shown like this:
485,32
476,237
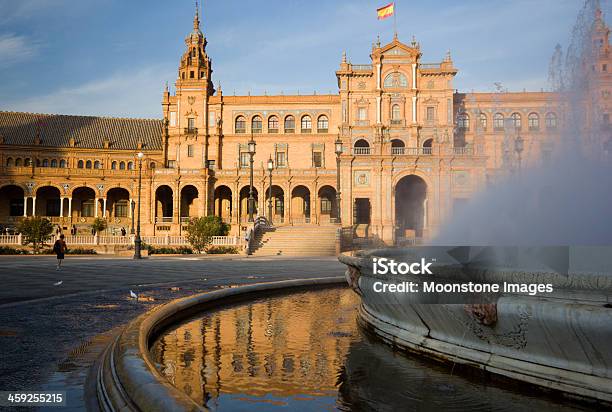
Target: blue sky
113,57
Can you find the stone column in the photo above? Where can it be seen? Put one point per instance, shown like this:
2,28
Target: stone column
61,206
96,207
104,207
25,206
130,208
70,207
33,205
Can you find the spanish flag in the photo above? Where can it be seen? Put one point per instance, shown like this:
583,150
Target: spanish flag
386,11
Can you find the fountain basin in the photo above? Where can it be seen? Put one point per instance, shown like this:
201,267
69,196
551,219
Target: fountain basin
126,376
559,341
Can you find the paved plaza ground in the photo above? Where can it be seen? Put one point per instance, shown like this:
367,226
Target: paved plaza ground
50,334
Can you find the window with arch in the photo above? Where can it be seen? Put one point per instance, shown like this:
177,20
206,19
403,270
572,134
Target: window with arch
152,165
396,113
463,121
273,124
395,80
289,124
482,118
306,124
9,162
427,146
534,121
18,162
516,120
27,162
97,165
45,163
256,124
498,121
361,147
398,147
551,120
122,166
53,162
62,164
88,164
80,164
37,162
130,165
240,124
114,165
322,124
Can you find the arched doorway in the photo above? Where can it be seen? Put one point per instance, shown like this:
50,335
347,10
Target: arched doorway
118,209
328,204
48,201
164,204
223,203
189,207
410,207
244,203
300,204
11,202
84,202
278,204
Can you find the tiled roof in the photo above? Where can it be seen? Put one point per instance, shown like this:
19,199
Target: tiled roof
88,131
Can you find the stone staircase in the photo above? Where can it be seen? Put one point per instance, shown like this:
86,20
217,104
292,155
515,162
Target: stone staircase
304,240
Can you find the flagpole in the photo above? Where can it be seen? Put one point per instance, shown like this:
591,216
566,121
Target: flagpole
395,19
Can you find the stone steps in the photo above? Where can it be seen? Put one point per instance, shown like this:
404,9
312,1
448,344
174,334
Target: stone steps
310,240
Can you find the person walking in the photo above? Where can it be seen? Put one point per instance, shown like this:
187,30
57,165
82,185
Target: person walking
123,231
60,248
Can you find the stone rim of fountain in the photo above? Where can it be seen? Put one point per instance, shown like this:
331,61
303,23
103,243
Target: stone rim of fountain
126,377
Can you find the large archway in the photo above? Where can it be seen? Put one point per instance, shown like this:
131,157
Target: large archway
84,202
164,204
244,203
48,201
300,204
11,202
223,203
189,204
118,209
278,204
328,204
410,207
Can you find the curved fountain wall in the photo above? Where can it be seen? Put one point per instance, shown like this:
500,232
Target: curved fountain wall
559,341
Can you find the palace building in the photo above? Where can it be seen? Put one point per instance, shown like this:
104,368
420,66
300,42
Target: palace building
413,149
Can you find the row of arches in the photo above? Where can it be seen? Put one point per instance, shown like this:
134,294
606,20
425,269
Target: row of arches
515,120
289,124
296,205
48,201
26,162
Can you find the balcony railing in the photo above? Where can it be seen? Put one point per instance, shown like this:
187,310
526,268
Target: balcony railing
163,219
411,151
397,122
362,150
322,130
191,130
362,122
306,130
463,150
272,131
362,67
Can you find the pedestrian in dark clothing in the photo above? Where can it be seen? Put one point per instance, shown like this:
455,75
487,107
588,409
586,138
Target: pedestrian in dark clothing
123,231
60,248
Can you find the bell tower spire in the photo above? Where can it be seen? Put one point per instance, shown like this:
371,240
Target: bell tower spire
196,18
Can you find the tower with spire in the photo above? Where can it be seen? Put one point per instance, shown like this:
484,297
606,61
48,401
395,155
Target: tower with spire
186,111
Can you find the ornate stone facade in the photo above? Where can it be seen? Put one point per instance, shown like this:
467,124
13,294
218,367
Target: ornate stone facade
414,149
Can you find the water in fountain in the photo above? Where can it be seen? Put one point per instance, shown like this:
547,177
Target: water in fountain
566,199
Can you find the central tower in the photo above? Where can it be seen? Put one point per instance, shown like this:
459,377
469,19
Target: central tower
185,113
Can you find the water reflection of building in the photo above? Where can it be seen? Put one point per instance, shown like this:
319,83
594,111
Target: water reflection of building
283,347
414,148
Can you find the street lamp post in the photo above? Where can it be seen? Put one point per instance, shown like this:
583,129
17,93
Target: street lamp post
270,169
133,206
137,241
251,198
338,150
518,148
